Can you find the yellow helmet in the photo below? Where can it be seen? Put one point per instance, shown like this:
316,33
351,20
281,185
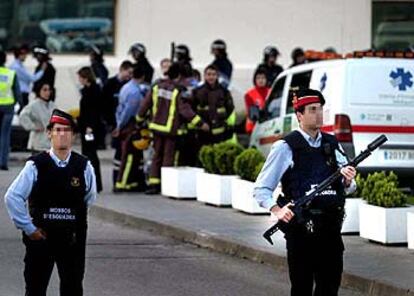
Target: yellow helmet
142,139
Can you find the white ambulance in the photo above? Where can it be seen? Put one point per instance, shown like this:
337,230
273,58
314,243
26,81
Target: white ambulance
365,97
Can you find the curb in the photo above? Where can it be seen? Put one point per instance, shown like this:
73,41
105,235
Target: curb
219,244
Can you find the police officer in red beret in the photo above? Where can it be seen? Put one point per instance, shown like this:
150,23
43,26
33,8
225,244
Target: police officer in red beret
48,201
303,159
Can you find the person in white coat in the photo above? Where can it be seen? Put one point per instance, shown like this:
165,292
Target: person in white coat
35,118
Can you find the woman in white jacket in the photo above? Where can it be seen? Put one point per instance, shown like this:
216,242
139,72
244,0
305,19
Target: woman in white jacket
35,118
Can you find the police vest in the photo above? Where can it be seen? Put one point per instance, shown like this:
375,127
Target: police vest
56,201
6,86
312,166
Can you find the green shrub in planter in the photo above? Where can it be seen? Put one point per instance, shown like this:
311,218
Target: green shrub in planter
248,164
382,190
360,183
206,157
257,170
224,156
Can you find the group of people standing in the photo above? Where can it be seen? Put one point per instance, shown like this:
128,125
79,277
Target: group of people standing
16,85
104,107
180,111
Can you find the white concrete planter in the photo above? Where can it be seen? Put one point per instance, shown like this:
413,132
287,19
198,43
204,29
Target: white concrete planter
179,182
410,230
214,189
351,221
384,225
242,197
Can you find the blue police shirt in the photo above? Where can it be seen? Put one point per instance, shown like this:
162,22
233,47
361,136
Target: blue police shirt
19,191
24,77
130,97
277,162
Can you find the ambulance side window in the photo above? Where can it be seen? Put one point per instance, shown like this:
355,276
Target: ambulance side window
273,103
299,80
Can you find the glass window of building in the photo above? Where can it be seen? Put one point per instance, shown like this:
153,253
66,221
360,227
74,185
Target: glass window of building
64,26
393,25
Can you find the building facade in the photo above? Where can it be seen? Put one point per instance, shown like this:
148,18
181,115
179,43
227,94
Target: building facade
247,26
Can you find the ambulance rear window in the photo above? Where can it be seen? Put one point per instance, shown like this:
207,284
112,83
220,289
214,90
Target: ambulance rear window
273,102
299,81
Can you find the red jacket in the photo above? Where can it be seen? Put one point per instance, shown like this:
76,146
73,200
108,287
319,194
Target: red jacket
254,96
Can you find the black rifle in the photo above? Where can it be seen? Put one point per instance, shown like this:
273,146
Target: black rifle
172,52
304,202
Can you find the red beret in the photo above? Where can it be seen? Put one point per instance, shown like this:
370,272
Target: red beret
306,97
61,117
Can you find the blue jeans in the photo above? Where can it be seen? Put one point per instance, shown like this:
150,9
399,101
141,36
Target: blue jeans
5,130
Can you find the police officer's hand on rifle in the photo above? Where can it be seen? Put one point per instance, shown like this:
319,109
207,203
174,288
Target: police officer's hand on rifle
284,214
39,234
349,173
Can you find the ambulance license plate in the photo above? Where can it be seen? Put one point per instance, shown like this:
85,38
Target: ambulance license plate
398,154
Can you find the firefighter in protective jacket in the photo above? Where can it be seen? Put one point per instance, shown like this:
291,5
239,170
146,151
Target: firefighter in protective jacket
168,111
214,104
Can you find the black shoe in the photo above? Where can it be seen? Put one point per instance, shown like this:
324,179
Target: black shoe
4,168
153,189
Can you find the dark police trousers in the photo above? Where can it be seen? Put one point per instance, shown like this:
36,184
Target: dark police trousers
89,149
67,250
314,258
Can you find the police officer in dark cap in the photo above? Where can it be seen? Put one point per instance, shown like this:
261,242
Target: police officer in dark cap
97,65
48,201
270,55
183,58
222,62
298,57
138,52
303,159
41,54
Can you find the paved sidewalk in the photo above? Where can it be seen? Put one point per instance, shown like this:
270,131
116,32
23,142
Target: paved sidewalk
370,268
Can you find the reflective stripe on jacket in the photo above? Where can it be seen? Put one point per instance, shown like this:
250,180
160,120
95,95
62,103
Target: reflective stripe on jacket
168,110
215,106
163,121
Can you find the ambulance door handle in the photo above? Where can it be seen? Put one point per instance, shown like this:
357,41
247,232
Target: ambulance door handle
277,131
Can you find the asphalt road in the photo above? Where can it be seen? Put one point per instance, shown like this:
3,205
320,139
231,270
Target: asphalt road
123,261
